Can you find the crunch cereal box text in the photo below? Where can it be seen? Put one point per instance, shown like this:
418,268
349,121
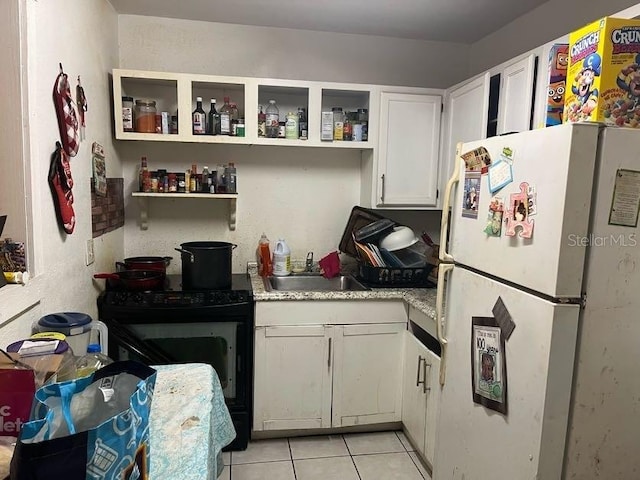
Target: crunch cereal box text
603,77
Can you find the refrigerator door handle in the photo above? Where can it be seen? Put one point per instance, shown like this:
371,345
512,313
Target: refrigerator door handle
443,269
444,224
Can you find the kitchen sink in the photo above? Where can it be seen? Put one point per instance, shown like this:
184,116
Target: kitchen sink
313,283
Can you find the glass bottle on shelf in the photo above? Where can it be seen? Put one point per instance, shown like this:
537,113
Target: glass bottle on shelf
347,127
199,118
212,119
231,178
143,176
262,123
302,123
204,186
272,120
221,185
225,118
235,118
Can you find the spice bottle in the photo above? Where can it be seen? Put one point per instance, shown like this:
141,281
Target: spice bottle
338,123
262,123
127,114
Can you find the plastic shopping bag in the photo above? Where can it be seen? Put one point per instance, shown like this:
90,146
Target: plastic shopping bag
96,427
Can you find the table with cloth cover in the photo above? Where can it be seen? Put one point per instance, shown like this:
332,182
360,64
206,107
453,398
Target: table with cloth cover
189,423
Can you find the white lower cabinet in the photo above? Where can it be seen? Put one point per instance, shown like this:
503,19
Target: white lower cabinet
420,397
320,376
292,387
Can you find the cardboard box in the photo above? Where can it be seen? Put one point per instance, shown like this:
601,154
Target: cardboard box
557,86
603,76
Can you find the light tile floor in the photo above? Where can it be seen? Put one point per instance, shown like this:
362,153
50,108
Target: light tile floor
358,456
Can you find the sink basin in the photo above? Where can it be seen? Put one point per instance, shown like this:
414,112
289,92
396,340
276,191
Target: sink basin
313,283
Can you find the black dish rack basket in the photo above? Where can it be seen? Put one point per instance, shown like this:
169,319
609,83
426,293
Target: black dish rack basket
379,276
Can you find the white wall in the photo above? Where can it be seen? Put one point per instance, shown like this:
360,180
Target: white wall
83,36
151,43
546,23
302,194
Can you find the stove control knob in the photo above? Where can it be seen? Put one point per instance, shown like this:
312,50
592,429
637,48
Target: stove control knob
137,298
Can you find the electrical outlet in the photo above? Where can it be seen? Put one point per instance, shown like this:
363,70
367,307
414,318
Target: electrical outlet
89,256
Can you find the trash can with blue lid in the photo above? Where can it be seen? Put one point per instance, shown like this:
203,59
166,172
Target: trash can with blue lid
78,329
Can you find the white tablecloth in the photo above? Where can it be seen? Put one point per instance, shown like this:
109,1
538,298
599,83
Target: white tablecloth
189,423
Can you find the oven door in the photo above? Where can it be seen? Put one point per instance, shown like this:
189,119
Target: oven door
219,344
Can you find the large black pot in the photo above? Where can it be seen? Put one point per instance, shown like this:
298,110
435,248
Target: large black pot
206,265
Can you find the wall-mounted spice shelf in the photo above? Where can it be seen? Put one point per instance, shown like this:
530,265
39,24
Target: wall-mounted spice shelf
143,200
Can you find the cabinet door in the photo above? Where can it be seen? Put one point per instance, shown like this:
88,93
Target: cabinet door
414,401
432,372
516,96
292,378
409,145
367,374
466,111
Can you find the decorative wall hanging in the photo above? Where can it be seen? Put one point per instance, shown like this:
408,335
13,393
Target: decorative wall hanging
66,114
81,101
61,183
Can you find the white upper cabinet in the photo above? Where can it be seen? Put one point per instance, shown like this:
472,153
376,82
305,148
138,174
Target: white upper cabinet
408,149
466,115
175,95
516,96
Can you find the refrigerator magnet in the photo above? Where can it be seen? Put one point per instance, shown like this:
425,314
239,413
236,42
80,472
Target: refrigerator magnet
477,159
507,155
500,175
533,200
471,194
518,213
488,364
494,218
625,203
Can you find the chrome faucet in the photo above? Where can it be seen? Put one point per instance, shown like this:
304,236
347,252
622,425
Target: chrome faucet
309,262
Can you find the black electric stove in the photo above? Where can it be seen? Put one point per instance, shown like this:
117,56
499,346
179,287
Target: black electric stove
173,325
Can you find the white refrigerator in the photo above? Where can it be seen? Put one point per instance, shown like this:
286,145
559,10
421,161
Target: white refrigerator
559,397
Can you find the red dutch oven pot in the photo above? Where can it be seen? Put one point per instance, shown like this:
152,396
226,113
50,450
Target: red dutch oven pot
158,264
134,280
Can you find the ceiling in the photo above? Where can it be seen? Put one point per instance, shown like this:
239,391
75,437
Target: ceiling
463,21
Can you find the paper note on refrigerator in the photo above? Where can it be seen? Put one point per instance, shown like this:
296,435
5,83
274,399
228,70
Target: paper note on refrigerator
500,175
626,199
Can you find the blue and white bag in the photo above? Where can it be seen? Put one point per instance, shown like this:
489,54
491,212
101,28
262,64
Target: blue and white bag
96,427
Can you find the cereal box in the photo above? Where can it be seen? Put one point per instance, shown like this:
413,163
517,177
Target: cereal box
603,79
558,62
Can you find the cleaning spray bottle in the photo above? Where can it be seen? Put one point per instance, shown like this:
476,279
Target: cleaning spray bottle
281,259
263,255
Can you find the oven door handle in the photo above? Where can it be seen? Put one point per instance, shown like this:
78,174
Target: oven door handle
123,337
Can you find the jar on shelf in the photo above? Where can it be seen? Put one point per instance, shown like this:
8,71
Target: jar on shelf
145,115
173,183
127,114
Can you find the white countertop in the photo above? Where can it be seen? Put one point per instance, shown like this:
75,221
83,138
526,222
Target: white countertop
423,299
